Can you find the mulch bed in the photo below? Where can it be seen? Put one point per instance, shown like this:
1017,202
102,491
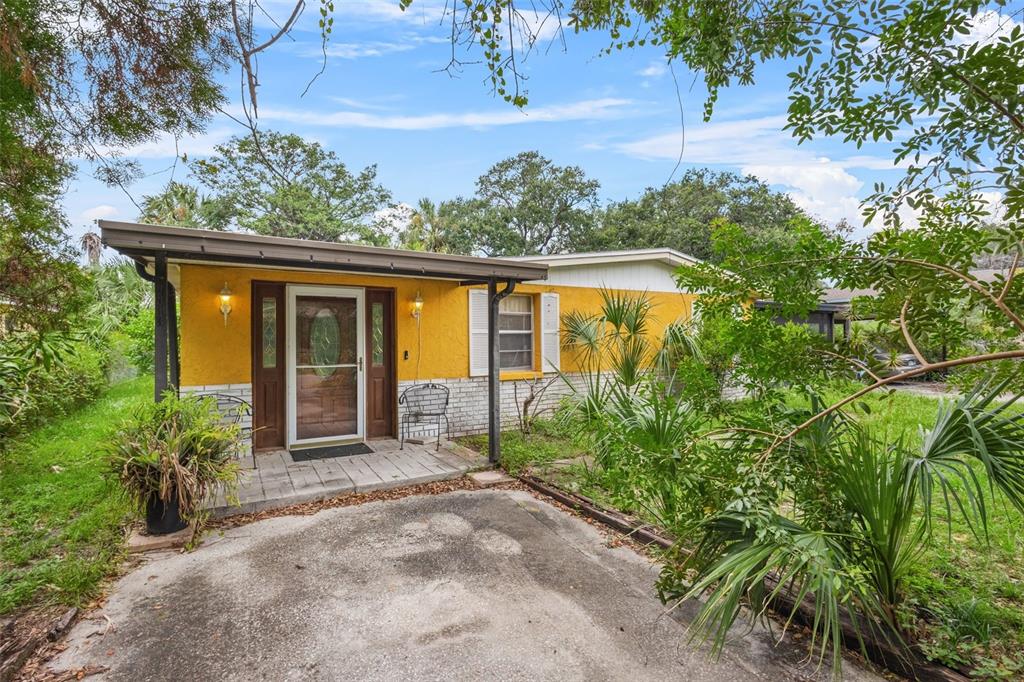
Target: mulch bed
348,500
31,637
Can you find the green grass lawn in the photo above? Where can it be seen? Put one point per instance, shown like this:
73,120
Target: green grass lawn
61,523
548,442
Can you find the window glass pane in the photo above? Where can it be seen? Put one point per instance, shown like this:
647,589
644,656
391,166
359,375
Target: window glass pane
325,331
270,333
516,360
515,341
516,304
513,322
377,324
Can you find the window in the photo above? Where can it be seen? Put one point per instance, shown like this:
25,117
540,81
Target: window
269,333
377,333
515,332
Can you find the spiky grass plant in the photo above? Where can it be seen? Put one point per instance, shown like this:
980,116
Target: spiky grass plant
175,448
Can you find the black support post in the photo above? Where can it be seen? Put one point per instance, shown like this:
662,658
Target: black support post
160,328
494,368
172,337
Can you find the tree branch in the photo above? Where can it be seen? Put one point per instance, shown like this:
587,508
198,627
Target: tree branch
924,369
906,333
296,12
1009,276
853,361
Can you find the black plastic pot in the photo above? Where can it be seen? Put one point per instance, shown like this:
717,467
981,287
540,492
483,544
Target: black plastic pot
163,517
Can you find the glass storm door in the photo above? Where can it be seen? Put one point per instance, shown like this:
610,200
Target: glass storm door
326,363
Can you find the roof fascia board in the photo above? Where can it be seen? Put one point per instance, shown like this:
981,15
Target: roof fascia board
668,257
185,244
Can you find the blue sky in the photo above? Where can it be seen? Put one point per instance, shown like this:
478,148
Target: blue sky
383,100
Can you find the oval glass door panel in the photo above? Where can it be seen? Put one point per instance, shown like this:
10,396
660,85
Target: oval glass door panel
326,376
324,341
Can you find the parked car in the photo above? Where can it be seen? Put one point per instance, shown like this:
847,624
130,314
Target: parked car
889,364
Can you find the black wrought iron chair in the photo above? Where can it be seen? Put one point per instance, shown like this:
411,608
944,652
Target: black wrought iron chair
424,404
232,409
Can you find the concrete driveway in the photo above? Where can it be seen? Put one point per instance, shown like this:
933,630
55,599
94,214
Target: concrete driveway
467,585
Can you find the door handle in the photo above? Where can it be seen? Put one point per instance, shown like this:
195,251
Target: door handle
360,364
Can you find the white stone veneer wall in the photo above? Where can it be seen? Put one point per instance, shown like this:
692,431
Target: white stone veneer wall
243,391
467,405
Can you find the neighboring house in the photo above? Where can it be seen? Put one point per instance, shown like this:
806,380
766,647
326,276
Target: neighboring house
822,319
836,305
322,338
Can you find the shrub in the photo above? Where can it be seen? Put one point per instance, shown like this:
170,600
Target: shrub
177,447
33,390
139,330
853,546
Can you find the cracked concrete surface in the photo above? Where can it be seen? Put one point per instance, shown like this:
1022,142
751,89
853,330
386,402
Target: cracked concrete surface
490,584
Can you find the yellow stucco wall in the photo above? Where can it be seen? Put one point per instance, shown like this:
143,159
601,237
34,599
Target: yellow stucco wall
212,353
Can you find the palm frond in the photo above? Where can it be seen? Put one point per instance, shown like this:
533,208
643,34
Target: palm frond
748,559
871,476
978,427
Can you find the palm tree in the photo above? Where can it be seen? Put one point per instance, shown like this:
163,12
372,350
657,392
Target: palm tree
422,234
179,204
890,495
92,245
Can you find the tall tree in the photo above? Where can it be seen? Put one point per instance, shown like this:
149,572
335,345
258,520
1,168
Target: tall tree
86,78
528,205
440,228
181,205
939,78
285,186
680,215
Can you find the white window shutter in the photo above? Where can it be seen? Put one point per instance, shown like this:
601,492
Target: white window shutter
550,323
477,332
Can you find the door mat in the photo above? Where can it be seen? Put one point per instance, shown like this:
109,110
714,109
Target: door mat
331,451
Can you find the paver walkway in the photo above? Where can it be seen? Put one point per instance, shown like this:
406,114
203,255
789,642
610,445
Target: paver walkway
278,480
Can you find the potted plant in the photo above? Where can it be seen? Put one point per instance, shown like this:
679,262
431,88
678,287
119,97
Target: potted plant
169,457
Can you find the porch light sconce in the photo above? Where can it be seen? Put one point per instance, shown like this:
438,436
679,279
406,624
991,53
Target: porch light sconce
417,306
225,303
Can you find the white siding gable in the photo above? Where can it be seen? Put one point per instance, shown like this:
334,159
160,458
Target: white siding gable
632,276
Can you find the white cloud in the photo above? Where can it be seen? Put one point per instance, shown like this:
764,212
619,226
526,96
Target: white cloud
821,187
758,146
394,220
97,212
653,70
424,11
994,205
595,109
359,50
988,27
372,104
371,48
165,147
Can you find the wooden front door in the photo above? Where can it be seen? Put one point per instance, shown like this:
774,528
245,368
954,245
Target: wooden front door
268,365
380,375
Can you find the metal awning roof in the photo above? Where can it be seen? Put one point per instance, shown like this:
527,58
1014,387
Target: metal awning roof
185,245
